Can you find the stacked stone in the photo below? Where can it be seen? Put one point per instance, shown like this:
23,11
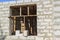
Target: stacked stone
56,20
45,20
4,21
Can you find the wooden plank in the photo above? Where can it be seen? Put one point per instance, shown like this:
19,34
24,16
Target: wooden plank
14,24
20,11
28,10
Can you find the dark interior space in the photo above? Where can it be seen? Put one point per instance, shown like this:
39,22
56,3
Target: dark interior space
15,11
30,22
32,10
24,10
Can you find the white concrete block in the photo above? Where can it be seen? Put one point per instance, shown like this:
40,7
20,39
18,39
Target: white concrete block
5,27
5,9
39,6
45,30
57,32
50,8
2,6
46,2
56,2
46,39
35,0
51,38
41,17
56,23
57,20
17,32
30,38
44,23
40,9
56,9
49,27
48,5
40,20
39,38
57,14
47,12
13,37
19,1
42,27
56,27
5,3
25,33
27,0
58,38
47,20
41,34
49,16
5,32
39,12
49,34
11,2
7,38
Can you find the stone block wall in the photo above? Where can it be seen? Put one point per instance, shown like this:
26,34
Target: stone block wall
48,19
56,24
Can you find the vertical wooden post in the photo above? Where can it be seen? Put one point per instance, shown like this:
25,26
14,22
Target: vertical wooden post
28,10
31,30
24,19
20,11
14,23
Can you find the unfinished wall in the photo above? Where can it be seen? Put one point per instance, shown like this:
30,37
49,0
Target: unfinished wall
45,19
56,24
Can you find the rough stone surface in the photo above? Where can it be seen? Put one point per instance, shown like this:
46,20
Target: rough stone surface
48,19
